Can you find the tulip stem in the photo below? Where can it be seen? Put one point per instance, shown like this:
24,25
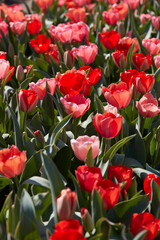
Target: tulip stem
16,181
156,154
24,119
142,125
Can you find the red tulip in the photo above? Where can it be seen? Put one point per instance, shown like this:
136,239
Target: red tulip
5,68
147,184
3,55
75,104
148,106
108,191
69,230
40,44
142,62
122,174
142,82
77,14
118,95
144,221
133,4
54,53
125,44
119,58
127,76
34,27
157,61
87,176
28,100
43,4
66,204
107,124
12,161
109,39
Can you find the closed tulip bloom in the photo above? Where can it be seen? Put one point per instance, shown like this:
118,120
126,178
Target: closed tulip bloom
18,27
34,27
133,4
152,45
70,229
77,14
41,43
148,106
75,104
40,86
142,82
107,124
5,68
109,39
144,221
86,53
66,204
3,28
43,4
142,62
12,161
82,144
157,61
28,100
87,176
54,53
118,95
126,76
119,58
155,22
147,184
125,44
109,192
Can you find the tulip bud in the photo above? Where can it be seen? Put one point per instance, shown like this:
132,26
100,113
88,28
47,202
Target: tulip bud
66,204
28,100
16,60
39,135
20,73
121,29
10,50
68,59
87,220
106,72
158,134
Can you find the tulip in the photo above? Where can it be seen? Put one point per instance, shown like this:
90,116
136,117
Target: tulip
109,39
143,83
157,61
148,106
18,27
77,14
66,204
15,16
125,44
5,69
86,53
144,221
12,161
143,17
107,124
68,59
119,58
127,76
40,86
28,100
82,144
69,230
87,176
3,55
152,45
34,27
54,53
133,4
155,22
43,4
87,220
20,73
110,109
147,184
3,28
118,95
40,44
108,191
142,62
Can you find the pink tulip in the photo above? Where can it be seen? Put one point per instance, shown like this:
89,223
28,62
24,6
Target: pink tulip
148,106
40,86
75,104
43,4
155,22
86,53
3,28
143,17
133,4
5,68
110,109
157,61
66,204
82,144
153,45
77,14
18,27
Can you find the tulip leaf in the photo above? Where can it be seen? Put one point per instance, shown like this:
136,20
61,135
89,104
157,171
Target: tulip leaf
58,128
140,236
129,56
18,134
155,202
97,207
112,151
4,182
157,75
123,211
55,180
100,108
38,181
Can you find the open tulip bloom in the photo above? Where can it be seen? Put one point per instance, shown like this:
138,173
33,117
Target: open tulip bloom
79,120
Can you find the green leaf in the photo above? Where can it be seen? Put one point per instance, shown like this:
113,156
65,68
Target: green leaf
7,203
112,151
58,128
155,202
18,134
157,75
140,236
55,180
38,181
129,56
4,182
98,210
100,108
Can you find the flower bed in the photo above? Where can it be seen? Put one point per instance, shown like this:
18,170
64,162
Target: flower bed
79,120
